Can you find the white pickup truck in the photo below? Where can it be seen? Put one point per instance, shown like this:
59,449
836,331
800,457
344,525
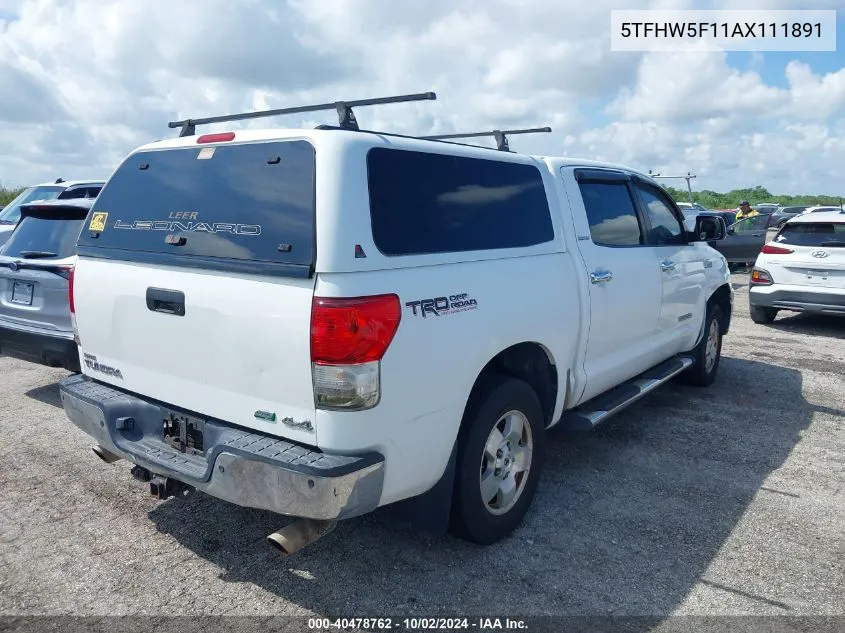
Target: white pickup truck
320,322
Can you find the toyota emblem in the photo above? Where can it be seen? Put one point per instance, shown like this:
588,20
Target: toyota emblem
13,266
819,254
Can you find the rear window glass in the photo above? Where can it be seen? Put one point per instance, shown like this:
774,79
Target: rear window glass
46,235
813,234
436,203
239,202
12,213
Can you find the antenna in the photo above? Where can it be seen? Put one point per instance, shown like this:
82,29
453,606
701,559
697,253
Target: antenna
346,117
501,136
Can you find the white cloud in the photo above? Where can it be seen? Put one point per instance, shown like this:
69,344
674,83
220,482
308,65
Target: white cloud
84,81
813,96
689,87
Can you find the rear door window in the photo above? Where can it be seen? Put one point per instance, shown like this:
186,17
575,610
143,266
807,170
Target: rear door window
830,234
80,192
49,234
436,203
238,203
611,214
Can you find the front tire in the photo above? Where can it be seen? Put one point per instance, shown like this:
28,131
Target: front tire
500,455
708,353
762,315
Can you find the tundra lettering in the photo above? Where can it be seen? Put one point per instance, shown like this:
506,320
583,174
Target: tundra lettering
91,363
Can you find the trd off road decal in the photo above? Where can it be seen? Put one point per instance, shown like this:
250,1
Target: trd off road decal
441,306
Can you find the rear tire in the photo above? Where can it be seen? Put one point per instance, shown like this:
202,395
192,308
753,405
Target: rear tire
762,315
500,454
708,352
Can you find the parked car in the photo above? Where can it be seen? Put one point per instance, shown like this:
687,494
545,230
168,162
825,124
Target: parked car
293,310
61,189
767,207
822,208
36,264
728,214
779,217
744,240
802,269
691,206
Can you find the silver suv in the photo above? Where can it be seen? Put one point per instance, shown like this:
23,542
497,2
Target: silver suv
35,265
59,190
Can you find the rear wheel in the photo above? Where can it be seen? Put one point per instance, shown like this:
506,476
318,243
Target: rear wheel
500,454
761,314
708,352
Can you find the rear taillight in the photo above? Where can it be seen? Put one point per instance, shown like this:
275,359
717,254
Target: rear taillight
70,290
349,337
70,279
760,278
770,249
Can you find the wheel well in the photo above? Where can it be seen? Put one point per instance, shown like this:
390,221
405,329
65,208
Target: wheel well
722,298
528,362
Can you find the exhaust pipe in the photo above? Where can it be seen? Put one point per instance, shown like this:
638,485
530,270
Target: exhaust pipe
99,451
292,538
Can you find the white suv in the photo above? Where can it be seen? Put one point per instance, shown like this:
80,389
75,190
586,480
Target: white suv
802,268
319,322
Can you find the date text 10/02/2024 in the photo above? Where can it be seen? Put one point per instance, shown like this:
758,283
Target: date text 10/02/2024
418,624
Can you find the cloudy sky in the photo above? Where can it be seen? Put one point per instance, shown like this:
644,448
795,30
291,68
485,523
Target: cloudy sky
82,82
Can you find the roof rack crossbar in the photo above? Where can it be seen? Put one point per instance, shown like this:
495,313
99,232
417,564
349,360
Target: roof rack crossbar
344,112
501,136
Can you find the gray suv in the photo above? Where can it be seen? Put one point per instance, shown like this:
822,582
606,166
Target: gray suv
35,265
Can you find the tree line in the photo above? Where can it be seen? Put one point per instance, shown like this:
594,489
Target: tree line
7,195
755,195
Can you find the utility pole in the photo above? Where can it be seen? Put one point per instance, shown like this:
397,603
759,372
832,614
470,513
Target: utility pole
688,178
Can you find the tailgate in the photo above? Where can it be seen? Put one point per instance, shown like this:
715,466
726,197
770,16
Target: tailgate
195,281
241,346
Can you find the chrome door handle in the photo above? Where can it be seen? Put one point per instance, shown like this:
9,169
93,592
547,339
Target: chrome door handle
601,276
667,265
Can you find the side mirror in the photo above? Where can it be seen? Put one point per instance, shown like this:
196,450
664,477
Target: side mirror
709,229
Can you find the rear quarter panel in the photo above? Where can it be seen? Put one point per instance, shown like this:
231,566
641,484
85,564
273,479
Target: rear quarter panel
431,365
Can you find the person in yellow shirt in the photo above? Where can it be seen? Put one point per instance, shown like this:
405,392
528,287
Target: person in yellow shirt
745,211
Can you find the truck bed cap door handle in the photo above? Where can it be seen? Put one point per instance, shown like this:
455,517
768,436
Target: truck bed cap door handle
166,301
600,276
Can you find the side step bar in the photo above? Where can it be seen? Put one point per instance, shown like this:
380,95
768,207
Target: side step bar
586,416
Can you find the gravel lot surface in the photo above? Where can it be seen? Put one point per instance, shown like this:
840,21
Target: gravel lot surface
727,500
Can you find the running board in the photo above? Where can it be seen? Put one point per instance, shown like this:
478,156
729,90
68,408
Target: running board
586,416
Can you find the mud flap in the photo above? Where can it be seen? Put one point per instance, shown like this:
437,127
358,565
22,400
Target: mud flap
431,511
